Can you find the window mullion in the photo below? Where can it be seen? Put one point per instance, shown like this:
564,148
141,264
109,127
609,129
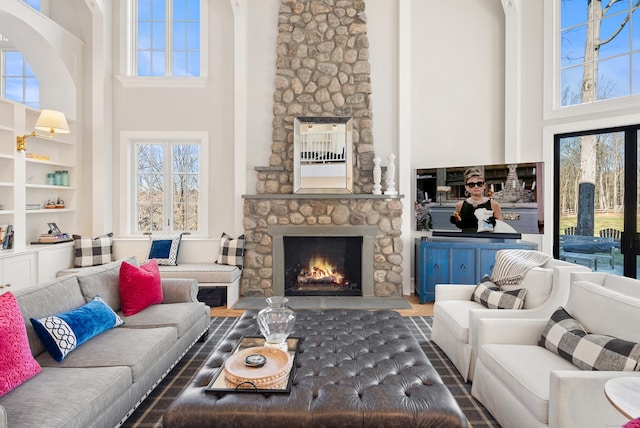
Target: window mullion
168,191
168,45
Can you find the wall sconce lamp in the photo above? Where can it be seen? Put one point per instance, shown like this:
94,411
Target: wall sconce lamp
50,121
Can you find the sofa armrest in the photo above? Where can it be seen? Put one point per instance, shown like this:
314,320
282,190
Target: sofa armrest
577,398
510,331
3,418
454,291
179,290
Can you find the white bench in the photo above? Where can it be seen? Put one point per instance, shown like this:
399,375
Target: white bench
208,275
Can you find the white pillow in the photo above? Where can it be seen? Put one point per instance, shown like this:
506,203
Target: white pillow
538,282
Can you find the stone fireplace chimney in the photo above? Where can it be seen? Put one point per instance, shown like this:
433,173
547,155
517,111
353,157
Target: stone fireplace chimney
322,69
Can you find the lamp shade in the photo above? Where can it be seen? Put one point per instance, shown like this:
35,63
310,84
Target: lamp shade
52,121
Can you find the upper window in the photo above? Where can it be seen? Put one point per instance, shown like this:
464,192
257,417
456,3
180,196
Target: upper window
166,38
599,50
33,3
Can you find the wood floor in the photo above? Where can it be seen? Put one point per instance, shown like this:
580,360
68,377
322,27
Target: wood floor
416,309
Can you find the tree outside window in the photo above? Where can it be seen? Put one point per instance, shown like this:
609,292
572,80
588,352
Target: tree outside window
167,186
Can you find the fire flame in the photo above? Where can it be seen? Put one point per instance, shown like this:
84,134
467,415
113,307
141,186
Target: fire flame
319,269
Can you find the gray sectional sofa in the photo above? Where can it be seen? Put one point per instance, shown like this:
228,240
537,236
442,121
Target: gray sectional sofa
101,382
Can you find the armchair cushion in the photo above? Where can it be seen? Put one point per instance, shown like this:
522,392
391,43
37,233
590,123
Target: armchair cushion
490,295
566,337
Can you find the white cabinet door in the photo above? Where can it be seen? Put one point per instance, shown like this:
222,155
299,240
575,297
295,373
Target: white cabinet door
53,259
18,271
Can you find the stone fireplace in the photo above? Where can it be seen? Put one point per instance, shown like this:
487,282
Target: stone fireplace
322,69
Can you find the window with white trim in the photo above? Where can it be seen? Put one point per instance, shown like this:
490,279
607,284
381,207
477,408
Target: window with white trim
167,186
166,38
599,48
19,82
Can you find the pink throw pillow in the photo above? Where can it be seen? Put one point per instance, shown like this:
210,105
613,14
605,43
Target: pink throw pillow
16,362
140,287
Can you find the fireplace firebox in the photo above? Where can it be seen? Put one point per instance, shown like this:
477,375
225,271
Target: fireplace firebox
322,266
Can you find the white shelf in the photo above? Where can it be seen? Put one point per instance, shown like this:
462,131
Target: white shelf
49,162
51,210
49,186
5,156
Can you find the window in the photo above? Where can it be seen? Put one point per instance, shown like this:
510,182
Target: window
166,38
18,81
33,3
599,51
167,186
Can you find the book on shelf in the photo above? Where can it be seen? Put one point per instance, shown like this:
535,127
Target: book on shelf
38,156
53,237
6,236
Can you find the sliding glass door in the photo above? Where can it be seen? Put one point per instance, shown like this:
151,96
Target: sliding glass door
596,199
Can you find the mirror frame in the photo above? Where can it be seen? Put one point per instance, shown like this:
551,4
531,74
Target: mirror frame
298,122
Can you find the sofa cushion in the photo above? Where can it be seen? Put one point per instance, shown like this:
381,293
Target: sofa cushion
565,336
525,370
455,315
92,252
488,294
137,349
16,362
165,249
231,251
538,282
64,332
66,397
60,295
603,311
181,316
140,287
103,281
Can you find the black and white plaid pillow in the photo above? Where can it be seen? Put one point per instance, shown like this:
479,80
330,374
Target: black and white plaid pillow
93,252
231,251
488,294
566,337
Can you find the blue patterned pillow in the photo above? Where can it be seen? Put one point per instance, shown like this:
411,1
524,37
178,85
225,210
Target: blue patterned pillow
63,333
165,249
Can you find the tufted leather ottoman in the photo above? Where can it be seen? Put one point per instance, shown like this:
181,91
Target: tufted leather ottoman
355,369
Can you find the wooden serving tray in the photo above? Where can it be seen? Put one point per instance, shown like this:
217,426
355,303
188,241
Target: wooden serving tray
275,376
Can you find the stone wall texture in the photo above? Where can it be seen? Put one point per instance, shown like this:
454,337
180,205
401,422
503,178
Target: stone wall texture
322,69
257,277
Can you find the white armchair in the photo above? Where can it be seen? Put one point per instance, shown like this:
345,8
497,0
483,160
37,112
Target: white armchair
523,384
455,315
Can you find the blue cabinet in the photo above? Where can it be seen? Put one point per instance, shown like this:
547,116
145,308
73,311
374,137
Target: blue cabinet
457,261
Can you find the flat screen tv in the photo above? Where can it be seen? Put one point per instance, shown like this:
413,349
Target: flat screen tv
518,188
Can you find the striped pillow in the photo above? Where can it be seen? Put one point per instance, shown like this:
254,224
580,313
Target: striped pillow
565,336
488,294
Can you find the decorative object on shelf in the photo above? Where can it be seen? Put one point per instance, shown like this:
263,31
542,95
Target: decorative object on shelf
59,203
49,204
6,236
377,176
51,180
65,178
390,177
276,322
50,121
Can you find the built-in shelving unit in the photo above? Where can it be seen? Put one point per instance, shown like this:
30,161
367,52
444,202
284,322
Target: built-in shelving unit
23,185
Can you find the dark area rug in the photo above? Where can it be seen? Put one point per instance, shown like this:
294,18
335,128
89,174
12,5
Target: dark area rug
149,414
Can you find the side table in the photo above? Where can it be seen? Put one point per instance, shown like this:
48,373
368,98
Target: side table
624,395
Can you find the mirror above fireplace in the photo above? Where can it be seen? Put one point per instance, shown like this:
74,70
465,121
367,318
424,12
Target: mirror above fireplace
322,155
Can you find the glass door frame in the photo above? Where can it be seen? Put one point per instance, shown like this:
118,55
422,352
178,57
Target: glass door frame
630,244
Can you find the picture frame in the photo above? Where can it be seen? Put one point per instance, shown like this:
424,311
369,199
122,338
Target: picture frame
53,229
